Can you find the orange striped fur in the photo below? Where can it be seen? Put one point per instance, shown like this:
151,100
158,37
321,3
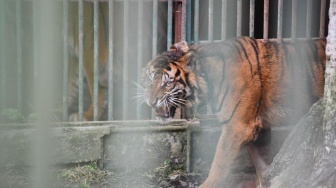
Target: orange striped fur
249,84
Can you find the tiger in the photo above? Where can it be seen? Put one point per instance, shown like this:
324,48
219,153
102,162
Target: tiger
88,59
249,85
117,50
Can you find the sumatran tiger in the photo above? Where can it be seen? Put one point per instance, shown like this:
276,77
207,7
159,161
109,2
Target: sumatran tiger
249,84
88,58
103,49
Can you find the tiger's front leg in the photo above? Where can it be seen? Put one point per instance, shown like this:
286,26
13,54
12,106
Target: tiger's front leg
241,112
234,137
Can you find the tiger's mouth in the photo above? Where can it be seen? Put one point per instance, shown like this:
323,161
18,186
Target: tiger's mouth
165,112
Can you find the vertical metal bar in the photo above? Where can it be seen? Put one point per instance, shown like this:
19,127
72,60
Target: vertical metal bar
266,16
188,160
95,58
196,21
46,62
140,47
80,59
252,13
184,20
177,21
2,55
322,18
125,59
210,21
294,18
110,61
170,24
280,15
239,17
19,54
155,29
189,21
224,24
36,37
65,58
309,18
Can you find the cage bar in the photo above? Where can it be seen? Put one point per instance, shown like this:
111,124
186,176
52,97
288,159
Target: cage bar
177,9
309,19
239,17
125,62
188,21
266,17
36,41
65,58
322,18
3,55
252,14
184,20
170,25
196,21
139,57
155,31
279,24
95,58
155,25
223,24
294,18
19,54
80,59
210,21
110,60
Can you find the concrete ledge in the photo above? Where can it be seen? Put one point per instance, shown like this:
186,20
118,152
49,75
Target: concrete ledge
69,145
124,145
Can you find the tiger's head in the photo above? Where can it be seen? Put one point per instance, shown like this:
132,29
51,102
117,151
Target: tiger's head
169,82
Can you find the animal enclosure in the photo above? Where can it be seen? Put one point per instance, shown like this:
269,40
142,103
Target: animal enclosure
134,32
46,47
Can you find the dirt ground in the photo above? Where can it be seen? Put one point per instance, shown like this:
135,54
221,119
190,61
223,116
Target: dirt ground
90,176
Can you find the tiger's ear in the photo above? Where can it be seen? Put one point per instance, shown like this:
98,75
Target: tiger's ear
177,51
179,48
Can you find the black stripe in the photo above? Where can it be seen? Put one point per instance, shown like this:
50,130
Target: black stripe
246,56
172,62
178,72
256,50
223,78
255,43
223,99
233,112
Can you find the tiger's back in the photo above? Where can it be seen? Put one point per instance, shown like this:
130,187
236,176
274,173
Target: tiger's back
293,80
285,77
